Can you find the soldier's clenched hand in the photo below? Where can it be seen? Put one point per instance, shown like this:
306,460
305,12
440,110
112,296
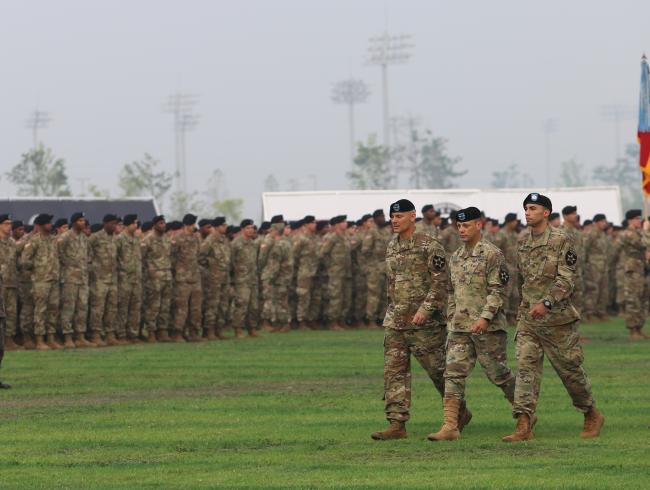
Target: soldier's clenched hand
419,318
480,326
538,311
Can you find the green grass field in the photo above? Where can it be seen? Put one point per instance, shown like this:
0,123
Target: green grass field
296,411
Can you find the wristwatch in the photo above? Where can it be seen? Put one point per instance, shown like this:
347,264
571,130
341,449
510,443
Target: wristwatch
547,304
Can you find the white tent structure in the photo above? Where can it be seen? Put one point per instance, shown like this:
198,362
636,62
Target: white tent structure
496,203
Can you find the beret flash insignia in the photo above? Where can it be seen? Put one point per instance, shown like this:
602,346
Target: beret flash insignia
571,257
438,262
396,207
503,275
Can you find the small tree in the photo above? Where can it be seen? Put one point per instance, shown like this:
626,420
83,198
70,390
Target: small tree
572,175
39,173
510,177
371,166
429,163
144,177
626,174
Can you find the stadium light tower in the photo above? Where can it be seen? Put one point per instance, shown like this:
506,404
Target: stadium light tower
384,50
180,106
350,92
37,120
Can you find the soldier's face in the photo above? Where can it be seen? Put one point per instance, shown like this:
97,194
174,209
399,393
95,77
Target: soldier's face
6,228
571,218
160,226
635,223
429,215
535,214
248,231
402,221
19,233
311,226
79,225
470,230
602,224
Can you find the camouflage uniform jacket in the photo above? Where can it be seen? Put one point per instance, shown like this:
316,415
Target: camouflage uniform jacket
335,251
185,257
305,255
244,261
156,257
279,264
427,228
547,265
476,287
73,256
41,258
9,262
508,245
374,247
103,257
595,248
449,238
129,258
634,244
416,281
214,258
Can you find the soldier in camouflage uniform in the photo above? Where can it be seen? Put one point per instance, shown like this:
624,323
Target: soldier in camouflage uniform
25,296
449,236
9,277
476,324
155,250
595,246
415,318
571,227
3,332
373,249
129,280
359,280
40,258
214,259
245,280
428,222
102,252
73,257
548,322
188,294
305,257
319,299
635,244
335,252
508,245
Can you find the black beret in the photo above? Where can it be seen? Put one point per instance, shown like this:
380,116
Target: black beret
156,219
510,217
452,215
566,210
5,217
351,223
60,222
599,217
175,225
147,225
189,219
109,217
129,219
378,212
401,206
43,219
468,214
246,222
96,227
633,213
296,224
278,218
537,198
204,222
235,229
77,216
229,229
17,224
365,218
308,219
29,228
418,219
553,216
265,225
321,224
338,219
587,222
427,207
218,221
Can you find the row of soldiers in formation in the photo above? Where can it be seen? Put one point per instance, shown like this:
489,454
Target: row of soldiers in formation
75,285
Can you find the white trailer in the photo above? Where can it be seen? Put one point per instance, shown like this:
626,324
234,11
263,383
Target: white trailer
496,203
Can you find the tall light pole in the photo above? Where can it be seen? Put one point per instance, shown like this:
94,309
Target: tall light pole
384,50
617,113
37,120
350,92
180,106
549,126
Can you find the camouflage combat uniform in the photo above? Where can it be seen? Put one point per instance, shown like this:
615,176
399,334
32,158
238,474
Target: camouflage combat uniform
577,298
73,256
416,281
155,249
428,228
548,265
305,256
245,296
25,293
129,285
214,259
276,269
508,245
188,294
335,252
596,292
103,283
9,277
476,290
373,249
634,244
450,239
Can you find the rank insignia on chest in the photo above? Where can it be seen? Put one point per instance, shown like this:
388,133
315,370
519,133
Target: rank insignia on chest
571,257
504,277
438,262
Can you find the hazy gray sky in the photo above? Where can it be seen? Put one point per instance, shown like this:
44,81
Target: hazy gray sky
483,74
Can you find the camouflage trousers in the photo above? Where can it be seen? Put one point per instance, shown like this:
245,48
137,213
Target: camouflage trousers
129,307
464,349
596,290
245,308
578,297
103,307
215,303
3,333
74,308
636,298
376,291
157,305
46,307
620,288
336,294
275,296
11,310
511,300
561,344
303,294
359,295
428,347
26,308
319,299
188,297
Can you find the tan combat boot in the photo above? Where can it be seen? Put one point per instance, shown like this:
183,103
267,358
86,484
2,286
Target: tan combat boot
82,343
449,430
178,337
635,334
594,421
209,334
396,430
219,335
111,340
40,343
238,333
10,345
28,343
464,416
151,338
252,333
267,326
52,343
163,336
96,339
336,327
523,430
68,343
